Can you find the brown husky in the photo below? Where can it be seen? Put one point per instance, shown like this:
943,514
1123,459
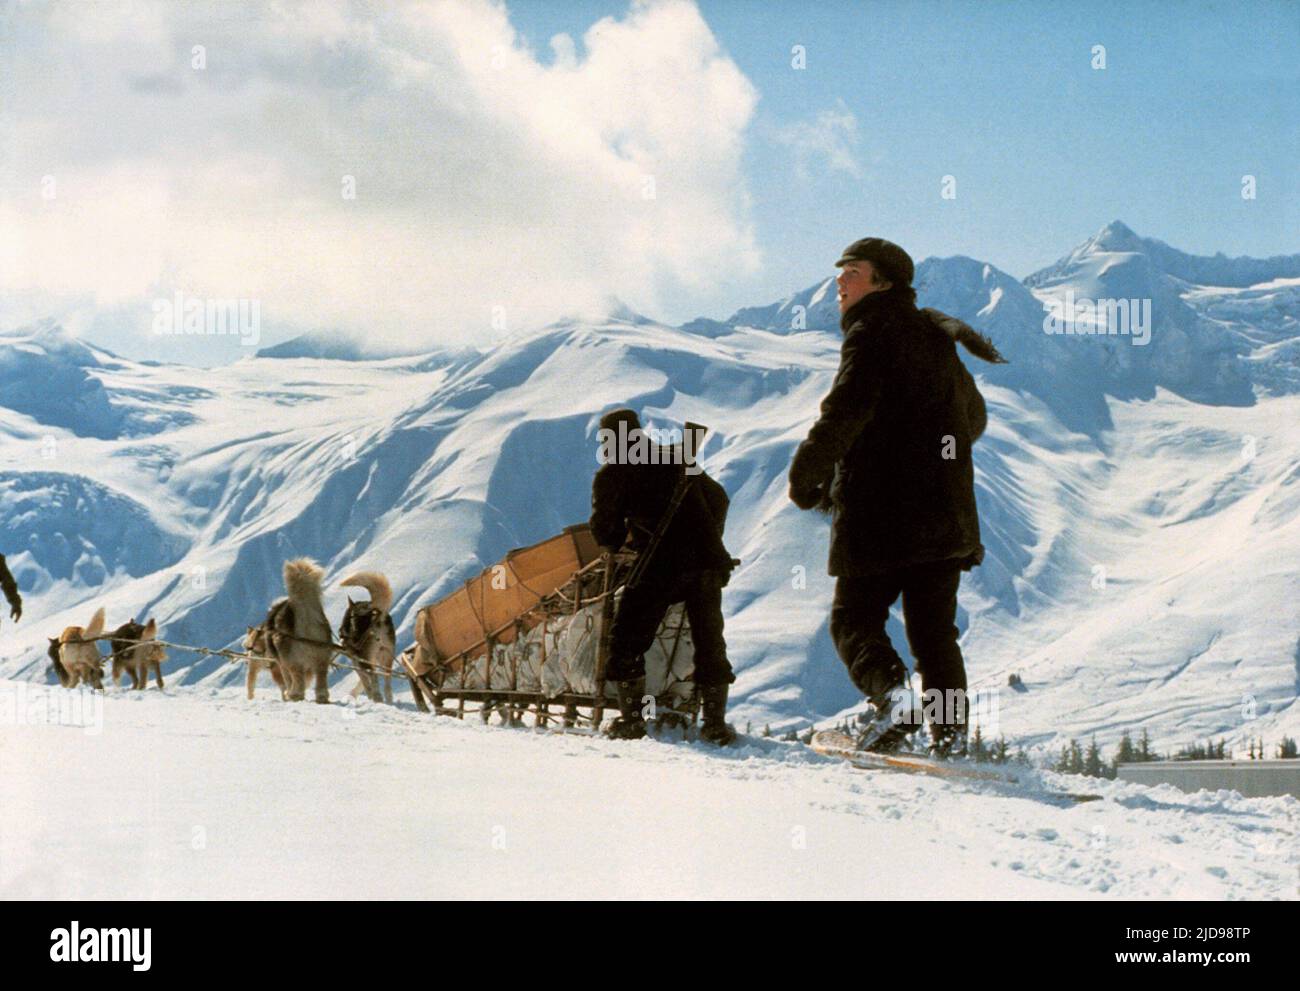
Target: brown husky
136,658
79,654
367,631
301,632
258,645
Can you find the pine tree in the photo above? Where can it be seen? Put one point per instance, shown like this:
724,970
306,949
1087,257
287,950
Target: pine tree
1076,758
1092,763
1000,751
1286,750
767,730
1195,751
1144,748
977,751
1062,765
1126,753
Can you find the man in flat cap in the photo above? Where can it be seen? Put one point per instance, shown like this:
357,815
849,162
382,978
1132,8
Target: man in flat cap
890,458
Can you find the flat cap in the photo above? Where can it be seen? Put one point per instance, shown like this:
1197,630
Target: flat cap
891,261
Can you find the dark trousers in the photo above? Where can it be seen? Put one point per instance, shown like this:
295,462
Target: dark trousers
861,609
642,609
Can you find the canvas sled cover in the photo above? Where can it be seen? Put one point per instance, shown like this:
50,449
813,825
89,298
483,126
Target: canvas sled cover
544,638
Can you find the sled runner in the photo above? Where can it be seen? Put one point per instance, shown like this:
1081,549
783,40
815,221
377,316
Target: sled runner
833,743
530,633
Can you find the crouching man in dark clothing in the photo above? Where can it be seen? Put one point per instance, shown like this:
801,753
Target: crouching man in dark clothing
890,458
629,497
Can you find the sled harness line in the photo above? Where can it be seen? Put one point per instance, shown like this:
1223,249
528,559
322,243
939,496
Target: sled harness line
499,697
237,655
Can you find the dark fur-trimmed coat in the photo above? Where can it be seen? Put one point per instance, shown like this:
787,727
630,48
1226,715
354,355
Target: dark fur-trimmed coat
890,453
627,501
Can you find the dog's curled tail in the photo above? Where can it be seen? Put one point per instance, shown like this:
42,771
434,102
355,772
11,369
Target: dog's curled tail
302,576
381,592
96,626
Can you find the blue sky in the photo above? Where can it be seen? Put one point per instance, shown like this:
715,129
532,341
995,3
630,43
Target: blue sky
666,153
1045,149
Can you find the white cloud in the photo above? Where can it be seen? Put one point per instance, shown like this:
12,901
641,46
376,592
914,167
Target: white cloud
829,138
484,177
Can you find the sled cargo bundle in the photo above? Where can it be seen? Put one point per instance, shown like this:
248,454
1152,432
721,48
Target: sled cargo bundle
532,630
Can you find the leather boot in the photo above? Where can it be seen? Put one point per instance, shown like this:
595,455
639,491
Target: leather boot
889,719
629,725
715,728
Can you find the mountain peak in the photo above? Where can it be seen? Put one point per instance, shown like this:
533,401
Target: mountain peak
335,345
616,309
1116,236
1206,270
609,308
56,340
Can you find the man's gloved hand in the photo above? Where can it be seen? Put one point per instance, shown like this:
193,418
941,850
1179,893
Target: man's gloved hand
806,496
16,611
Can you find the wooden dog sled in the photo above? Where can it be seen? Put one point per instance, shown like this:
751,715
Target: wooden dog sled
532,632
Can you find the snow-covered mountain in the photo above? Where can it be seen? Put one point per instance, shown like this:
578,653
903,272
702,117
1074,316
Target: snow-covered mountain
1140,503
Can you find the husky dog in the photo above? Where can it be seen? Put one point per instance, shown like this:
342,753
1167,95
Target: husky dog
258,645
137,658
79,655
367,631
293,628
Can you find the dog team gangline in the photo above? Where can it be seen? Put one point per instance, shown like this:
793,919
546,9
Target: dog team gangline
360,667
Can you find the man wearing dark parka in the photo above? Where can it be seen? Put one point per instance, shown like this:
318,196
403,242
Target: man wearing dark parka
890,458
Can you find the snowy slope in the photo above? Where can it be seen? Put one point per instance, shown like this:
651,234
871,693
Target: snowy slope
201,794
176,492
